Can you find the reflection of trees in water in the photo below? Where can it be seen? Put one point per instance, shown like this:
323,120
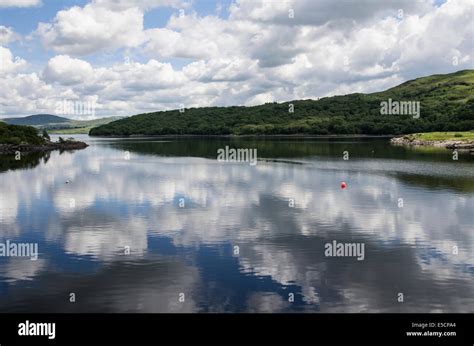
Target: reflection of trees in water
465,185
357,148
273,149
27,161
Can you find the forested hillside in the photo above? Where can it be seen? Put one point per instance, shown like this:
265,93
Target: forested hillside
446,104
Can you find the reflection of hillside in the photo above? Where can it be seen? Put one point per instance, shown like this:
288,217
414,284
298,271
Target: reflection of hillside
465,185
284,148
28,161
378,155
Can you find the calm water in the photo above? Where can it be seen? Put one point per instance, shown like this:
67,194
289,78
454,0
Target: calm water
84,228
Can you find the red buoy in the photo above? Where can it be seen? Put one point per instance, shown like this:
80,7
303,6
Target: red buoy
343,185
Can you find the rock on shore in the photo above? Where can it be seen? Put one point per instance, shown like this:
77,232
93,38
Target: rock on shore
448,144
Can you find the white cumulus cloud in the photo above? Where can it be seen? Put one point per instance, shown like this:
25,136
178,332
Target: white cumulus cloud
86,30
19,3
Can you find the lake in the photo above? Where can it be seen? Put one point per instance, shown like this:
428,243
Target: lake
160,225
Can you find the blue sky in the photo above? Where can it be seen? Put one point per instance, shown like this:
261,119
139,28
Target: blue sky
134,56
25,20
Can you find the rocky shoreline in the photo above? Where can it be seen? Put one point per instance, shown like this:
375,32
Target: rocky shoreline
8,149
448,144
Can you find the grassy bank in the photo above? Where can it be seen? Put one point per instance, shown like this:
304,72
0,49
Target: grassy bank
462,140
443,136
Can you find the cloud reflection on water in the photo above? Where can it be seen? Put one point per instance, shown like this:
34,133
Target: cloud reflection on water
120,203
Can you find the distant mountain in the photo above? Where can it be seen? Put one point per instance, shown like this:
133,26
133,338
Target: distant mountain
61,125
440,103
78,126
37,119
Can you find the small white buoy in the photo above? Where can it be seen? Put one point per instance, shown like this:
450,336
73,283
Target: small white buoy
67,181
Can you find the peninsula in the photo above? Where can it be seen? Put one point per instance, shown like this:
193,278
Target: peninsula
26,139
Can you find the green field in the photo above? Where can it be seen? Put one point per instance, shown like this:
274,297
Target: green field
77,126
71,131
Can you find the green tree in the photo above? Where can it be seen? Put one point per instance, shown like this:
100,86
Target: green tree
46,135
